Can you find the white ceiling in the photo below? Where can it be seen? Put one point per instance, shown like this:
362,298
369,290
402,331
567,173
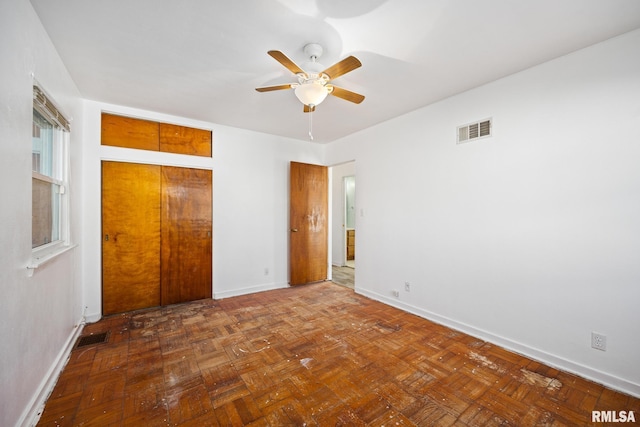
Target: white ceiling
202,59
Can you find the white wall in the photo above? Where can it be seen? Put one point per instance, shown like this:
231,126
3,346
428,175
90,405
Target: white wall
250,201
530,238
39,315
251,209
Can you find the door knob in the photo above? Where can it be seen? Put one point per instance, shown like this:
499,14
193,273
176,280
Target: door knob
293,230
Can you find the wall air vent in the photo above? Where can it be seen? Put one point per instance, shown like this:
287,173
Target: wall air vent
474,131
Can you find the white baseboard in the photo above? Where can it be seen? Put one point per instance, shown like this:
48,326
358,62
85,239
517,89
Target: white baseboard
34,409
583,371
93,318
249,290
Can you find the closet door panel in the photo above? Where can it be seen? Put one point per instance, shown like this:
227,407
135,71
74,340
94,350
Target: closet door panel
128,132
186,234
130,236
185,140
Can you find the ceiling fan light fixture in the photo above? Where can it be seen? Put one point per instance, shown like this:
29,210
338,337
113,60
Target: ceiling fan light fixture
314,82
311,92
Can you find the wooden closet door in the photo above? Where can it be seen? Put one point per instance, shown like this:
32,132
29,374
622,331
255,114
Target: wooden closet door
130,236
186,234
128,132
185,140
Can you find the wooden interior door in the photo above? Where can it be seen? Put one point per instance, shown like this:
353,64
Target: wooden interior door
308,223
130,236
186,234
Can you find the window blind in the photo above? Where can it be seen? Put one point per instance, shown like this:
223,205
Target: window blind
47,108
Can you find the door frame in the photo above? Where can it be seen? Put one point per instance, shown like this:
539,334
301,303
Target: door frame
338,233
345,213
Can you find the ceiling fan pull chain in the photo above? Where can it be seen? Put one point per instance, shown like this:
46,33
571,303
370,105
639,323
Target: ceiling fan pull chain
310,123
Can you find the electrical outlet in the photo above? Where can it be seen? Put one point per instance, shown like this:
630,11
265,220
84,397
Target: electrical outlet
396,293
407,286
598,341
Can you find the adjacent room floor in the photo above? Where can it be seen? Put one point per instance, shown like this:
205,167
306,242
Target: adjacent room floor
314,355
344,276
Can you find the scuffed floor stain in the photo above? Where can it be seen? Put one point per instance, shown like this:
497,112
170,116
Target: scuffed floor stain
306,362
536,379
388,327
484,361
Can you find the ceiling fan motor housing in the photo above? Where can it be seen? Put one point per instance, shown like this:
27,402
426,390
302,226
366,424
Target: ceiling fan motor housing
312,66
313,50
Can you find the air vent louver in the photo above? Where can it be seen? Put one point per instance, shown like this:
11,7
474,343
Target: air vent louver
92,339
474,131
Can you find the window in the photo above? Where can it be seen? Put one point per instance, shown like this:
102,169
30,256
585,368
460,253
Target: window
50,140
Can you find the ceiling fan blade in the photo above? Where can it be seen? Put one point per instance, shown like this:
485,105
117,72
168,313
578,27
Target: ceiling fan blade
270,88
343,67
309,109
284,60
347,95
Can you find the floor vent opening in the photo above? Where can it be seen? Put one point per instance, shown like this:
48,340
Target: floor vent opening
92,339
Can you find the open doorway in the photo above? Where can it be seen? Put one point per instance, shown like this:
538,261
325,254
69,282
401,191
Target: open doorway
349,186
344,227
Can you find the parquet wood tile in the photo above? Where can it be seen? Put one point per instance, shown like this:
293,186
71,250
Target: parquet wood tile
314,355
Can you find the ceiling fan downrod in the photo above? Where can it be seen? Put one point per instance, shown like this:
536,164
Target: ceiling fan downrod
313,51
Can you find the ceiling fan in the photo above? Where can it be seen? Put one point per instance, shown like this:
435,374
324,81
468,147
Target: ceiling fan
314,85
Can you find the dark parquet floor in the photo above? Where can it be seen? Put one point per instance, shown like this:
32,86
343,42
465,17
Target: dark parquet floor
314,355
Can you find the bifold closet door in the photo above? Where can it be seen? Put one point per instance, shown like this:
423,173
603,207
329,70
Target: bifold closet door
186,234
156,235
131,205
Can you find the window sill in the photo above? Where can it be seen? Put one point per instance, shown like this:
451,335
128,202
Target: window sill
44,258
